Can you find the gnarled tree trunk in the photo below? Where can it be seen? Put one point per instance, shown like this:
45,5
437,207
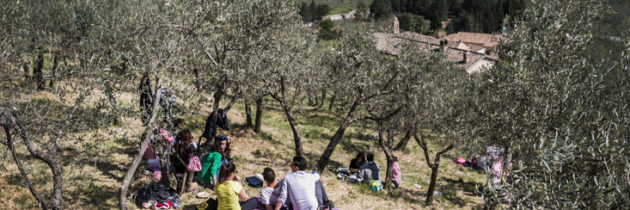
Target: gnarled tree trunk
47,157
198,82
146,137
283,100
259,113
29,184
53,70
27,72
332,101
321,104
403,142
385,146
434,166
38,71
248,113
335,139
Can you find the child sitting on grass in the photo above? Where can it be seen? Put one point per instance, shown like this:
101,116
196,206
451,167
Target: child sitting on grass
270,194
397,174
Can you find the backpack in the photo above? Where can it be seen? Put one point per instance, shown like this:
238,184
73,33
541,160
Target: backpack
376,185
254,181
222,120
210,204
209,132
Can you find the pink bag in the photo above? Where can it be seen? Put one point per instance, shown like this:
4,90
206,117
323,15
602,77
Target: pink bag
157,175
194,164
460,160
166,135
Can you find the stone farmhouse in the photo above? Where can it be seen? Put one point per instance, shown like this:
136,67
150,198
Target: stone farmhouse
474,52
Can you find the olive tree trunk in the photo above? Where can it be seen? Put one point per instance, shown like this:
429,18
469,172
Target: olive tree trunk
146,137
248,113
48,157
23,173
27,72
385,146
53,70
283,100
259,113
38,71
332,101
403,142
335,139
322,99
434,166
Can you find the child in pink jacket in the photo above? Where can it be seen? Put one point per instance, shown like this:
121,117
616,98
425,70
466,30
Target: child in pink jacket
397,175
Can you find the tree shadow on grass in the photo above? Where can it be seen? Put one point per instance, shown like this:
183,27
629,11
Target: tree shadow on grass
449,191
312,159
320,119
355,147
411,195
93,196
102,165
265,136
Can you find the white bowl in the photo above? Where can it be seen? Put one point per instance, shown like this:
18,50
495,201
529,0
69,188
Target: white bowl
203,194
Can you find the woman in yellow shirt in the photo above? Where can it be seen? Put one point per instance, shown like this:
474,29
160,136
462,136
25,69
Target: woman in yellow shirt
230,192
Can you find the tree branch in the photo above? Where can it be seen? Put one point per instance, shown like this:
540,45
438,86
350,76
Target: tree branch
423,145
10,145
236,97
205,50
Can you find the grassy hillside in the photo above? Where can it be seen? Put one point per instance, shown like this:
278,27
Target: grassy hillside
95,163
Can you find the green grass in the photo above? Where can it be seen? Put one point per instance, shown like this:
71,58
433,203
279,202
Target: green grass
341,9
341,6
94,166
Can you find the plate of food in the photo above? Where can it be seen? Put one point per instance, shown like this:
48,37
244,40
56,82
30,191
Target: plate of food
203,194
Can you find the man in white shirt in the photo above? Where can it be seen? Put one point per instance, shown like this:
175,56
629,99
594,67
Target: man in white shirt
299,186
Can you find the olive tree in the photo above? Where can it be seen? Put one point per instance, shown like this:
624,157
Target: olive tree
34,30
281,61
561,118
291,70
427,88
365,75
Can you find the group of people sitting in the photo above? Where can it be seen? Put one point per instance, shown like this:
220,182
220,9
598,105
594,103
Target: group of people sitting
363,169
299,189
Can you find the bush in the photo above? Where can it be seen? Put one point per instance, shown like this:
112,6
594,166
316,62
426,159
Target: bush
381,8
326,24
329,34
